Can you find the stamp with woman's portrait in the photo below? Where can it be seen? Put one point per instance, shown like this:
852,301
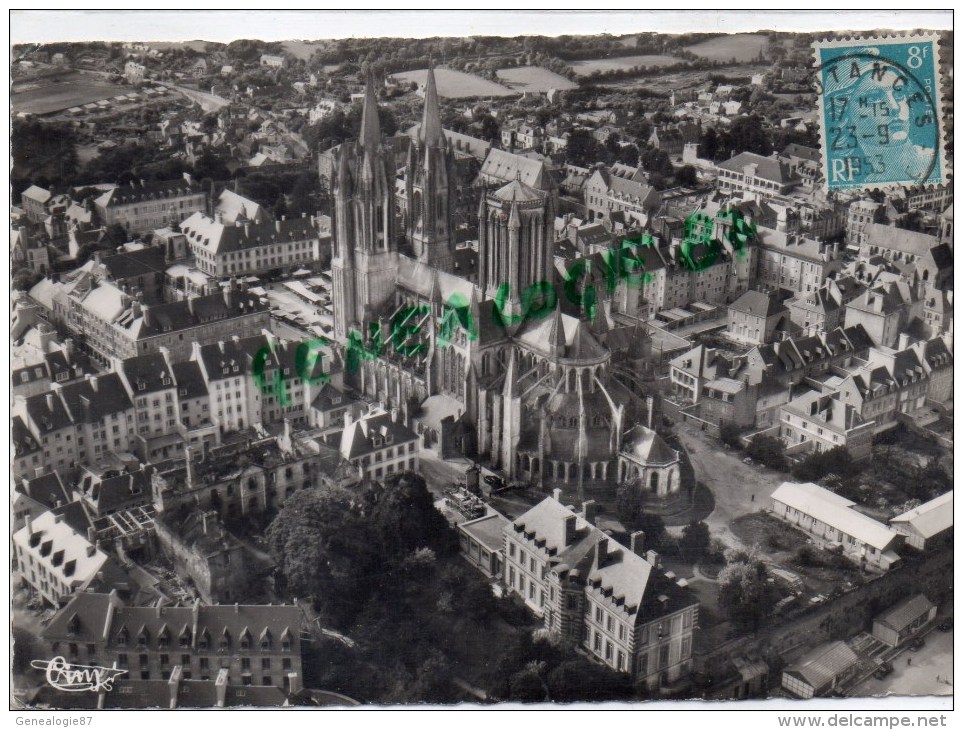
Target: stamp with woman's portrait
879,111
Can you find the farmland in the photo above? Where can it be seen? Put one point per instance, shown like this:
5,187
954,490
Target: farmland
744,47
55,93
585,68
533,78
457,85
301,49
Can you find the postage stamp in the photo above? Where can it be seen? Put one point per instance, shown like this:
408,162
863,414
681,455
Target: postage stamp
879,112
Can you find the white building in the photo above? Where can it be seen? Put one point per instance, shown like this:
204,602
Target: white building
833,521
926,522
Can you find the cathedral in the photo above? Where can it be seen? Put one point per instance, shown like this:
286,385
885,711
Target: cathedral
537,374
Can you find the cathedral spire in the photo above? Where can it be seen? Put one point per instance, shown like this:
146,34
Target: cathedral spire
430,133
556,333
370,126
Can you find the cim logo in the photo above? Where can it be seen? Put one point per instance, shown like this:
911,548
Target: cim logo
77,677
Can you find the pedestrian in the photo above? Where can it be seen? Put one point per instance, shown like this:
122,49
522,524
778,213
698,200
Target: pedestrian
909,660
752,498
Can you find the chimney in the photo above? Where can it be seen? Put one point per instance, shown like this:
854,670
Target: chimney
277,226
28,521
190,304
205,516
638,543
50,401
91,550
589,510
557,494
58,519
220,686
247,229
601,552
570,521
394,415
652,557
94,385
650,404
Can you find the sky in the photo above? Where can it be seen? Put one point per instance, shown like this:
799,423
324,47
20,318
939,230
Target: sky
38,26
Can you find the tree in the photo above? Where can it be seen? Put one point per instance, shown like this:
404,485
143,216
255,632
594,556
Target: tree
709,145
628,509
820,463
745,593
695,541
582,148
578,680
769,450
24,279
730,434
687,176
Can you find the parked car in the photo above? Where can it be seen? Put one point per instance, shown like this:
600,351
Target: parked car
747,460
917,644
946,625
883,670
494,481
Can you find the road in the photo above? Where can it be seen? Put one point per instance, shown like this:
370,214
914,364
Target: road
733,484
208,102
919,677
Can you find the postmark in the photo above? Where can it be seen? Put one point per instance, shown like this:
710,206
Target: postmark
880,118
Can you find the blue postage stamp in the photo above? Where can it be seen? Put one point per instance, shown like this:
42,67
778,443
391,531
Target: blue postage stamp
880,115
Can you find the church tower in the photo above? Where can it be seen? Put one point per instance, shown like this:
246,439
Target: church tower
364,242
430,188
515,234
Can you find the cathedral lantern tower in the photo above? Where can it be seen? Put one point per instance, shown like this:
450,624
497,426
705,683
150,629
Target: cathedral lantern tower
515,235
364,240
430,188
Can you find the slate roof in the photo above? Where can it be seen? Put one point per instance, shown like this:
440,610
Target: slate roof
34,192
190,380
174,316
357,439
815,501
46,490
647,446
23,441
767,168
148,191
757,304
221,238
797,150
930,518
889,237
130,264
506,166
87,404
905,612
147,374
822,665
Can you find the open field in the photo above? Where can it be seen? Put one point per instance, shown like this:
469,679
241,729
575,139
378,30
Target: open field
301,49
744,47
167,45
54,93
533,78
585,68
457,85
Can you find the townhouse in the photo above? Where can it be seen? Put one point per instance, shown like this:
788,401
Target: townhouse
754,317
143,206
613,602
379,444
884,311
755,175
243,248
619,202
793,261
55,561
255,644
818,421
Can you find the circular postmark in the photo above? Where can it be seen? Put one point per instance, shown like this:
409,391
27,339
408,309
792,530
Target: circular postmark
880,120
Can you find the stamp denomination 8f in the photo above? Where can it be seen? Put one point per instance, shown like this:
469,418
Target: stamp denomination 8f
879,104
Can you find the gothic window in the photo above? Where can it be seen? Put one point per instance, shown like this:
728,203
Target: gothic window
654,481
